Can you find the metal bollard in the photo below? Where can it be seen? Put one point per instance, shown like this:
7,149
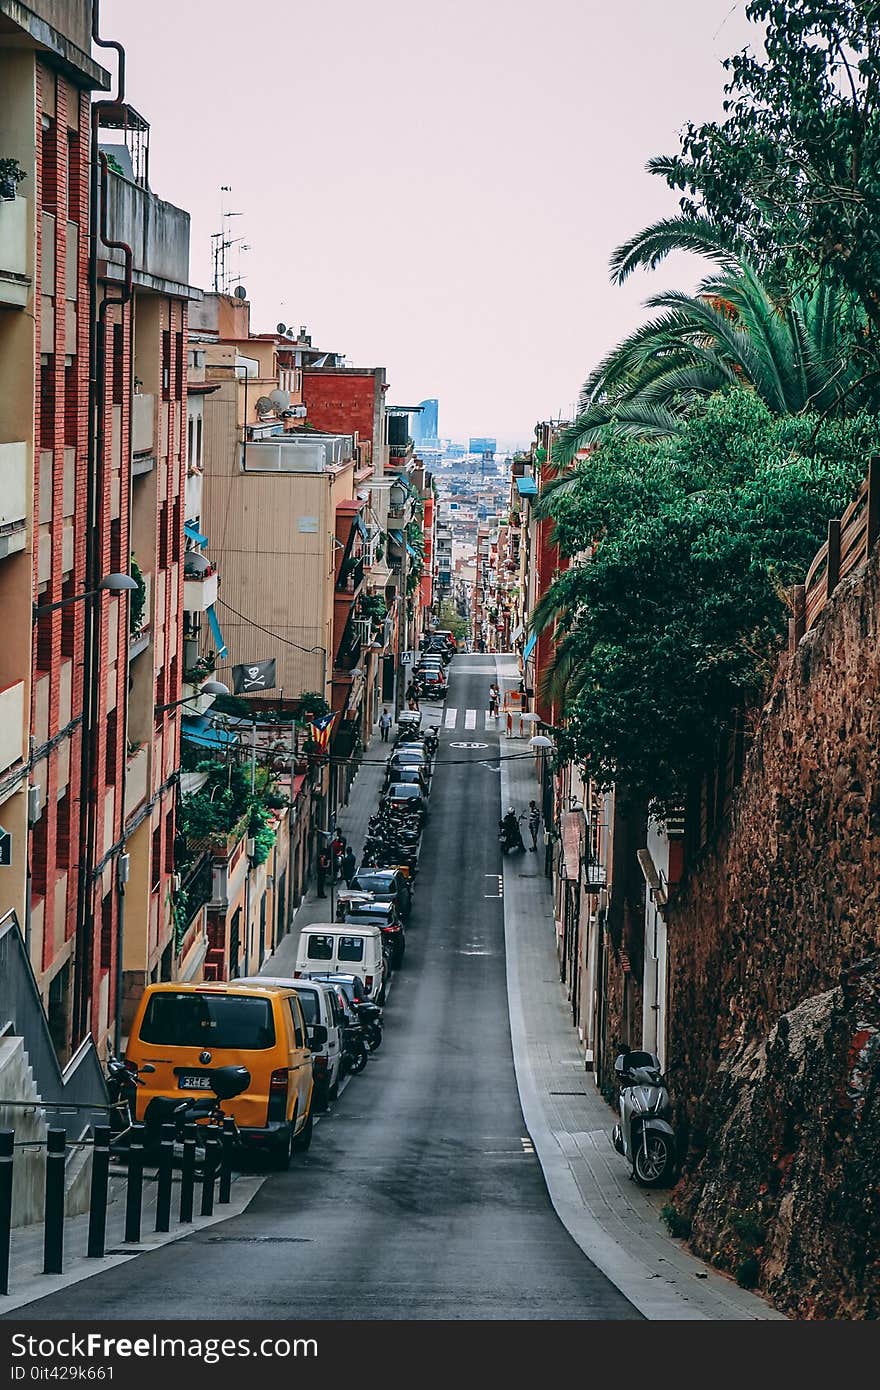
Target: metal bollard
98,1194
7,1149
188,1174
227,1140
53,1225
210,1169
135,1191
163,1192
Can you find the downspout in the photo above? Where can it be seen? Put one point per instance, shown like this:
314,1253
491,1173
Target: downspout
94,493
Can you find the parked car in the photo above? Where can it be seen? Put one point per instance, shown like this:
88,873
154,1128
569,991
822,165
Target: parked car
413,773
334,946
384,915
319,1005
432,686
386,883
185,1032
415,752
405,796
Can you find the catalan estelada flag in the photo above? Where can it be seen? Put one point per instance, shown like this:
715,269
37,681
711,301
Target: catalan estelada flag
319,730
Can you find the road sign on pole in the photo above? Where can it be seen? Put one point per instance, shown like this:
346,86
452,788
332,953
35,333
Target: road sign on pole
407,658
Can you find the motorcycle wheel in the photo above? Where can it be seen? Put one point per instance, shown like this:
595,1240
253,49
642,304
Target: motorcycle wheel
375,1039
358,1060
654,1161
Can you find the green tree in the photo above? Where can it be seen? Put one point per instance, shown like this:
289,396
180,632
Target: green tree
671,614
792,173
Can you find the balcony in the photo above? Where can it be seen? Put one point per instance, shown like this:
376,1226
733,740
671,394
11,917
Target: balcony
200,592
136,780
13,496
351,577
15,283
143,412
11,725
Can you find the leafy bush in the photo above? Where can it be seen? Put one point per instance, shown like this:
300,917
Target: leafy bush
677,1223
748,1271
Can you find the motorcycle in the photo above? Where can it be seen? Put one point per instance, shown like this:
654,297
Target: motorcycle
354,1046
370,1018
643,1134
510,836
123,1079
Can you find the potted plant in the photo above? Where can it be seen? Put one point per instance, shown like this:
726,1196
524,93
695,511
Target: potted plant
11,175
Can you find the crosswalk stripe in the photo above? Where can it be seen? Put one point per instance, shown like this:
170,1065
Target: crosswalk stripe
470,719
490,722
451,716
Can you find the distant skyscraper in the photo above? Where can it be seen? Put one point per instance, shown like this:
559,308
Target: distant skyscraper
424,425
482,445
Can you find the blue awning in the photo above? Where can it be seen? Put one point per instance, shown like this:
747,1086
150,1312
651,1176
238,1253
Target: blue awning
214,624
527,487
413,552
194,534
527,649
199,729
396,537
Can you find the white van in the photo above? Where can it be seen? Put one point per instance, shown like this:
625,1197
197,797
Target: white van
340,948
319,1004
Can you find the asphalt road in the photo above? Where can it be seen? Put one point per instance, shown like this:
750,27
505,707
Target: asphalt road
420,1197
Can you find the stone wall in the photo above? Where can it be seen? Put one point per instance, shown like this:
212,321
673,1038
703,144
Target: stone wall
788,896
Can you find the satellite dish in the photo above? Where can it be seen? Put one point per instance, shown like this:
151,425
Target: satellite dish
281,328
280,399
291,333
240,292
264,405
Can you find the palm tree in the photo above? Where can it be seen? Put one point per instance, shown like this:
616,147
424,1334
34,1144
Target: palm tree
794,350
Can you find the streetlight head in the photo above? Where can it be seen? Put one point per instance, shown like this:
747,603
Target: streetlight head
540,741
214,688
116,583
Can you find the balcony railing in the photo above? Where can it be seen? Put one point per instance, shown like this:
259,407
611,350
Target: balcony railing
15,282
351,576
11,724
200,592
13,490
142,423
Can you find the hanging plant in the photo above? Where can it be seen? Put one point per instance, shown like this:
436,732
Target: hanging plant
11,175
137,600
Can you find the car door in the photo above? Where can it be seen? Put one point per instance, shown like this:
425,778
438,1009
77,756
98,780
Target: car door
300,1091
333,1022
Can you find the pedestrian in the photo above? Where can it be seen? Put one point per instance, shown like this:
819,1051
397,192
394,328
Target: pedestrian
493,699
349,865
412,695
534,824
384,725
323,869
337,850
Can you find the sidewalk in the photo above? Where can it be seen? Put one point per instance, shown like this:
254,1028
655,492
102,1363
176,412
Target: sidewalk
614,1221
27,1281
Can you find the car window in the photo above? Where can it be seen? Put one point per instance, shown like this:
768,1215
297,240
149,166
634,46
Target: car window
297,1021
320,948
403,790
351,948
308,1001
208,1020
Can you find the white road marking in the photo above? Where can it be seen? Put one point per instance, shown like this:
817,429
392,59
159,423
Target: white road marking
470,719
490,721
451,716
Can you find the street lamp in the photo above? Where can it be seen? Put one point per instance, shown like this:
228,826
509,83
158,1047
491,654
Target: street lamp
113,583
207,688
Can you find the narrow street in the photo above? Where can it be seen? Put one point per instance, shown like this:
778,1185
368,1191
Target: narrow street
421,1196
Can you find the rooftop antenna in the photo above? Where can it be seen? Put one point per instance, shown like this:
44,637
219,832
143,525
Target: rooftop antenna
221,242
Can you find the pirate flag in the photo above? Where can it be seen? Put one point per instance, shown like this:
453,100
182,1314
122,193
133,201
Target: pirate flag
259,675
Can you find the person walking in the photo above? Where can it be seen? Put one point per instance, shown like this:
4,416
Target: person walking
493,699
412,695
534,824
337,850
323,869
384,725
349,865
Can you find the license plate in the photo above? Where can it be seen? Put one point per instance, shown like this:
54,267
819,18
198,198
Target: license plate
192,1082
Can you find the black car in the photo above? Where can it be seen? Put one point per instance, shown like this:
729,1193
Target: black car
382,914
401,770
432,686
390,884
417,775
408,797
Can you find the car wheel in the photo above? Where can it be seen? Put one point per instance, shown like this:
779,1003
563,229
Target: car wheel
320,1099
282,1150
302,1140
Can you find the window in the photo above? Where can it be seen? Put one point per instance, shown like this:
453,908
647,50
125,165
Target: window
320,948
199,440
297,1022
308,1002
107,932
111,767
156,866
189,440
47,402
208,1020
351,948
166,364
118,363
74,205
179,360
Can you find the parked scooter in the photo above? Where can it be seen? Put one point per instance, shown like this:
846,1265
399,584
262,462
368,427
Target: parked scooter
643,1134
123,1079
510,835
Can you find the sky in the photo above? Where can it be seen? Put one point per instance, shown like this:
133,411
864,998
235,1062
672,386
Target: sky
431,187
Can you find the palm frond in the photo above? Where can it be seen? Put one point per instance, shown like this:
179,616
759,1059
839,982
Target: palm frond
652,245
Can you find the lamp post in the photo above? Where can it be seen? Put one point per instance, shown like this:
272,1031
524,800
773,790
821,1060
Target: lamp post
207,688
543,743
112,583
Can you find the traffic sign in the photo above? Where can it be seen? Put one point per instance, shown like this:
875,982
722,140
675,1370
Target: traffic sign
407,658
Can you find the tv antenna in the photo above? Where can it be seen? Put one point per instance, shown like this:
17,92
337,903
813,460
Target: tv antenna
221,243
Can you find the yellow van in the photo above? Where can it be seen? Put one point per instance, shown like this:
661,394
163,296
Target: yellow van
184,1031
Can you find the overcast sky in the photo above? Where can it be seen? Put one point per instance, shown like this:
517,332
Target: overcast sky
431,187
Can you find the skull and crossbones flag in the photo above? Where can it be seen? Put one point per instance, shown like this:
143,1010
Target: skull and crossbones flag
257,675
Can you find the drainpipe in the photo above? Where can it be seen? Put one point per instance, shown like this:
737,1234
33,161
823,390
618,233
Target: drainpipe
94,494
